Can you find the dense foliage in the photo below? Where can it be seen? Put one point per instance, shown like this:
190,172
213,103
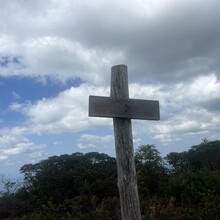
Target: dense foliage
80,186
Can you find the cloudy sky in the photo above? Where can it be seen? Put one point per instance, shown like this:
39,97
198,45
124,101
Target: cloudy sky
54,54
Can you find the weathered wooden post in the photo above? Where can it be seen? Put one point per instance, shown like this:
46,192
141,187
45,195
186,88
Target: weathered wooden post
122,109
127,183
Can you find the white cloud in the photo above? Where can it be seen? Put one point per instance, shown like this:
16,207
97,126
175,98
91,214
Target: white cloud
204,88
180,106
68,112
171,48
3,157
185,109
95,138
15,131
11,145
85,146
191,121
57,143
166,41
136,141
63,59
60,59
100,142
7,44
16,106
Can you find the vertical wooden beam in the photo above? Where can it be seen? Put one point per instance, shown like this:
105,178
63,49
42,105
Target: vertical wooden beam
127,182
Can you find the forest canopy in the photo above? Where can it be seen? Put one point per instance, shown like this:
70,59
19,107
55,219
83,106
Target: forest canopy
183,185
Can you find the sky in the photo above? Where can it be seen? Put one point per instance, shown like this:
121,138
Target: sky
54,54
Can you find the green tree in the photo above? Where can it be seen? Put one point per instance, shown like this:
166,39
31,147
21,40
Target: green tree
205,156
92,177
151,171
178,162
196,194
148,154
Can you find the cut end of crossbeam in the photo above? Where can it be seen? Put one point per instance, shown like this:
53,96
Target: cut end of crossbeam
119,66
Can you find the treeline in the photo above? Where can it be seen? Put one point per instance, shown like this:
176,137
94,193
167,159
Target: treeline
80,186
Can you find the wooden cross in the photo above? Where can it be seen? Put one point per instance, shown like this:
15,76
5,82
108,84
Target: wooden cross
122,109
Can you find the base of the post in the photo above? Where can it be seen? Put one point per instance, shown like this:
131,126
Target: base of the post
127,182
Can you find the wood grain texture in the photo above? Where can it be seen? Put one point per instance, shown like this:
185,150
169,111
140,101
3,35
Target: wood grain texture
127,182
110,107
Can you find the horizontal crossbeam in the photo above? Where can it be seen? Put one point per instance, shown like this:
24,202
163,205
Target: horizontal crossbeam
111,107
